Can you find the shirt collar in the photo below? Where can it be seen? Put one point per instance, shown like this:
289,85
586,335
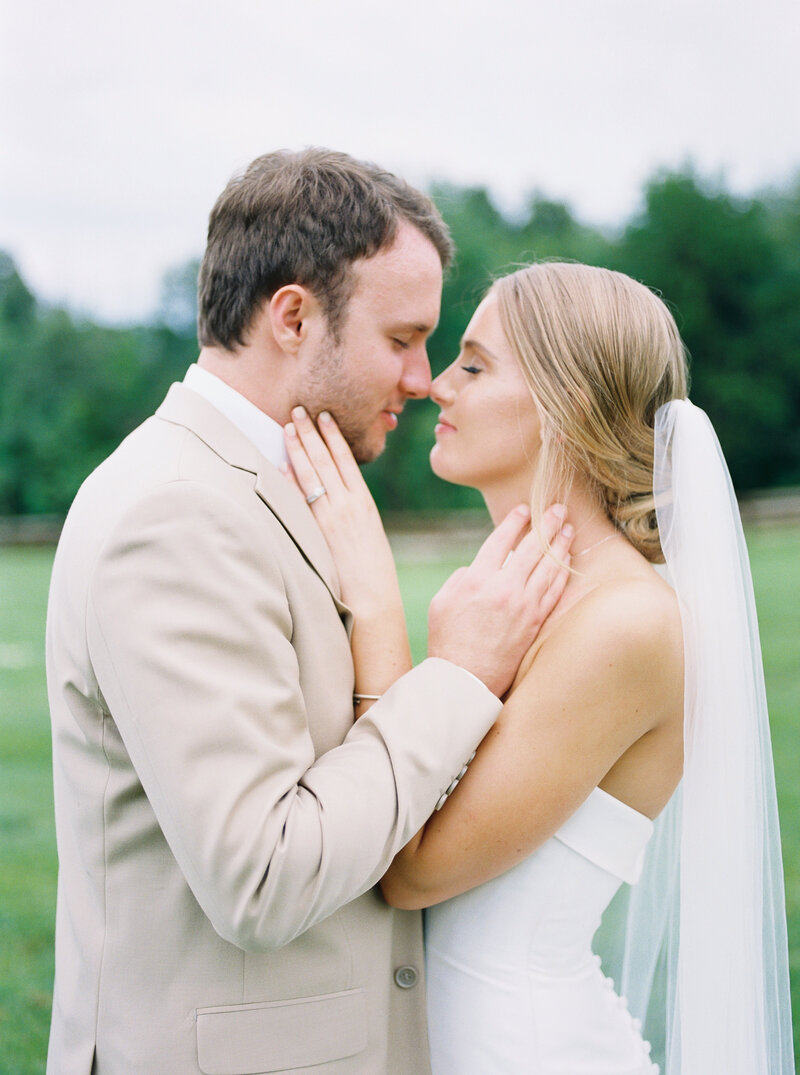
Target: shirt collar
264,432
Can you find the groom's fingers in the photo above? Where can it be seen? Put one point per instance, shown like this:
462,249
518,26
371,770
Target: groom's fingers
558,575
537,570
530,552
550,575
507,538
493,553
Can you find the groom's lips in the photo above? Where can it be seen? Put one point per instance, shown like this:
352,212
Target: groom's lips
391,418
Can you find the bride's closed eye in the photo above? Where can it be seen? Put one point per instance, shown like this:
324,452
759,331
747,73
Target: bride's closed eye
472,369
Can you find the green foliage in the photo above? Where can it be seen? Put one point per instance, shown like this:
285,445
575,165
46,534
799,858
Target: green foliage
71,392
729,267
733,281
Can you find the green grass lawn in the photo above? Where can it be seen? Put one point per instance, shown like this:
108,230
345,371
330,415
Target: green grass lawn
27,844
27,839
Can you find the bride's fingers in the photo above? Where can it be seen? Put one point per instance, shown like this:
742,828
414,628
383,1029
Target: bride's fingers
308,451
287,471
340,451
304,474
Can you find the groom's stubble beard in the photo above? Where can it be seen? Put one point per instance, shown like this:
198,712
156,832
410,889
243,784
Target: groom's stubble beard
328,387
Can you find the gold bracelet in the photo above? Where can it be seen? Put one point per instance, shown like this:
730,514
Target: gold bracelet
359,698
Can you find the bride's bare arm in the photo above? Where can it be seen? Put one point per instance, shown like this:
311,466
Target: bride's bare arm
607,676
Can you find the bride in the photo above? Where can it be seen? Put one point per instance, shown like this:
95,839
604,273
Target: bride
571,384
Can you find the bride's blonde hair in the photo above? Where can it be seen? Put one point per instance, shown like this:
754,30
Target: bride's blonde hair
600,353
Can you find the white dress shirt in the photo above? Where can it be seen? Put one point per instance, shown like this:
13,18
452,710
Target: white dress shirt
264,432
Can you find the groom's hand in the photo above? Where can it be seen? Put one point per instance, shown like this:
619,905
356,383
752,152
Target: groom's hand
487,615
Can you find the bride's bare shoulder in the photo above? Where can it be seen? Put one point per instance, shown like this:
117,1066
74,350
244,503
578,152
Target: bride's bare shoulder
637,605
632,619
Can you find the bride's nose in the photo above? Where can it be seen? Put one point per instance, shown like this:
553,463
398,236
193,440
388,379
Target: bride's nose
442,391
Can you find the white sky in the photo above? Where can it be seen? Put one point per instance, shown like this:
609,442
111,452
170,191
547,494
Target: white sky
121,122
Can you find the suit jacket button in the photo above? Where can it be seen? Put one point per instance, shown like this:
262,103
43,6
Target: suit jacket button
406,977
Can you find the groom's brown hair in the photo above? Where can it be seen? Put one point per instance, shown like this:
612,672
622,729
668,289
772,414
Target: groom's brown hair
301,218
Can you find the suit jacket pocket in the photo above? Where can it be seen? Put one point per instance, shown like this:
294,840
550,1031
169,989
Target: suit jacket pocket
245,1039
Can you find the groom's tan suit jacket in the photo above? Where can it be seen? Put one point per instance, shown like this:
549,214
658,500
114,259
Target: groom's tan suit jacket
221,821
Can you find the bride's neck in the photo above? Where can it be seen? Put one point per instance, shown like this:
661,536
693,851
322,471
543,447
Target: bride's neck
584,511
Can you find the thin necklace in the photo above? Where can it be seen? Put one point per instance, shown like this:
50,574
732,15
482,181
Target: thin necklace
583,552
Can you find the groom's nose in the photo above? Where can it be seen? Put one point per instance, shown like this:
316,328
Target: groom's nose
415,381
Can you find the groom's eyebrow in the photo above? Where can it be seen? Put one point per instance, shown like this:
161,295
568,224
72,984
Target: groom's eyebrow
411,326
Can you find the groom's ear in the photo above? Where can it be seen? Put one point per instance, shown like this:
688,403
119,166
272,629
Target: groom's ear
293,312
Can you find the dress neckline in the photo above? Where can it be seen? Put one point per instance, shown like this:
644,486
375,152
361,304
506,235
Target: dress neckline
609,833
600,792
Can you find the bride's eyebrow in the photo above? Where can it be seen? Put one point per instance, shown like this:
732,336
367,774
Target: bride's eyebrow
476,345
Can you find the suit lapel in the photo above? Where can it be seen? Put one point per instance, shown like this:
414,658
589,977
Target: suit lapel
186,408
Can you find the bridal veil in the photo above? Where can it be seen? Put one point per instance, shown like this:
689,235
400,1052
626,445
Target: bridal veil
705,949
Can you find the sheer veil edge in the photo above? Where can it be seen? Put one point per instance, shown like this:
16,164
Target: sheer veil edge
705,952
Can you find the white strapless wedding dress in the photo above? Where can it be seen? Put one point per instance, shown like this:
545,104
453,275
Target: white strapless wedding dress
513,985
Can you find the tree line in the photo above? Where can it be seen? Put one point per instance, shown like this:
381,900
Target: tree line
728,266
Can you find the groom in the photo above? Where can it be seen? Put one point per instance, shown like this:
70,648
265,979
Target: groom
221,820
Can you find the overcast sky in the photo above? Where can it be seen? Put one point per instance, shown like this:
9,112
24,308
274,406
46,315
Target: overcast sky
121,122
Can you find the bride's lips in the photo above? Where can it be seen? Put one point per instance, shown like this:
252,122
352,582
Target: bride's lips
443,427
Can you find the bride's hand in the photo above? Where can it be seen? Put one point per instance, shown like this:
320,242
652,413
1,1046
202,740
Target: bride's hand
346,512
